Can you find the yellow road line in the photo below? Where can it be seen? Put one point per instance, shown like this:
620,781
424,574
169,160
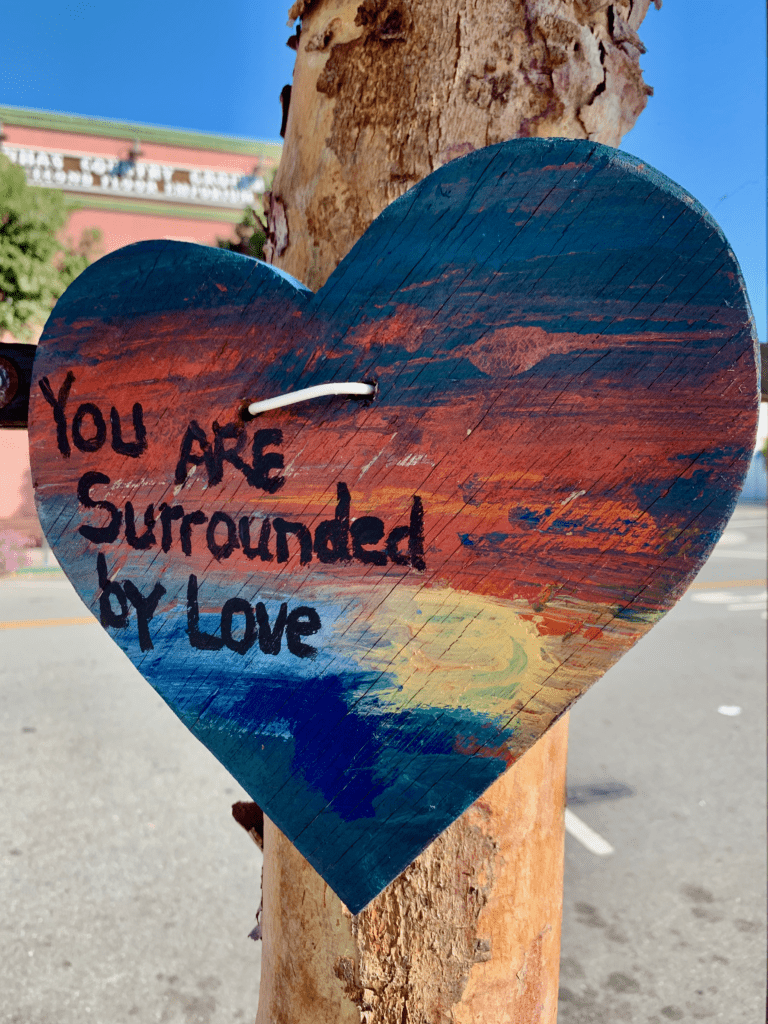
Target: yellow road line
719,584
31,623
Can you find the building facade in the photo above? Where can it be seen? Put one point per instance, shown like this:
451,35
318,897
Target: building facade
132,182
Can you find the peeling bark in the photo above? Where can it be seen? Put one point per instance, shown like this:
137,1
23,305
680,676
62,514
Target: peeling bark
384,92
250,817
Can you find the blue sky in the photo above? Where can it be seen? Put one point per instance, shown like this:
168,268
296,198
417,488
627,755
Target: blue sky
220,68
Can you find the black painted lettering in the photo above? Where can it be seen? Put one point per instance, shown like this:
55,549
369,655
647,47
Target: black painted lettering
109,589
89,444
393,540
332,535
168,515
270,638
302,621
133,449
244,532
145,609
367,530
197,638
264,553
415,534
214,456
282,529
221,551
264,462
222,454
262,549
238,606
98,534
58,404
185,530
147,539
193,435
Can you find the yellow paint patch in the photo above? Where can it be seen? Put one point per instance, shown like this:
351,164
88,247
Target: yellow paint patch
448,649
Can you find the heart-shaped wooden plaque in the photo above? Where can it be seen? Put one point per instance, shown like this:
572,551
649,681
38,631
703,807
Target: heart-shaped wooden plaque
367,610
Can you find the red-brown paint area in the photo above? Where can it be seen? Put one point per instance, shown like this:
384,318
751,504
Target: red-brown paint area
538,482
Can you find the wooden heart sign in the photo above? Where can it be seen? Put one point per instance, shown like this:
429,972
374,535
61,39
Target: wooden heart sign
368,609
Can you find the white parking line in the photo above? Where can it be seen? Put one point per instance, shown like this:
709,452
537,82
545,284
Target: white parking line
586,836
753,603
732,537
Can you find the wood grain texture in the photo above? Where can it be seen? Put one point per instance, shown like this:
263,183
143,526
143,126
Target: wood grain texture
566,408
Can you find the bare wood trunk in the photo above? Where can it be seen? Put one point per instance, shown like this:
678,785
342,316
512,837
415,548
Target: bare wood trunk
470,932
384,92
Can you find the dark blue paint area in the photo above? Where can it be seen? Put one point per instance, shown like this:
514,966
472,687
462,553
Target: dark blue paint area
626,367
152,263
420,806
695,492
713,457
133,282
469,490
578,526
484,542
527,516
494,539
326,736
397,741
646,249
330,773
701,506
423,784
418,382
333,791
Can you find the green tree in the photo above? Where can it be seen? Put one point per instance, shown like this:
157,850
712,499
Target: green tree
250,236
35,266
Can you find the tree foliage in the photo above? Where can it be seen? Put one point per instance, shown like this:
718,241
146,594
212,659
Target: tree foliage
250,236
35,266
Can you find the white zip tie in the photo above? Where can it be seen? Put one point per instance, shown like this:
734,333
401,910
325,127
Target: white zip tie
305,394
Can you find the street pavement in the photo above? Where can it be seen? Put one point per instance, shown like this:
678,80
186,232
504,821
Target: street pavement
667,765
128,892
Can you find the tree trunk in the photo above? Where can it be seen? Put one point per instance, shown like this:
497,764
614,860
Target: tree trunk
384,92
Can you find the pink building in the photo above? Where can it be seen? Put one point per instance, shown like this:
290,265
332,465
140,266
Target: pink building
132,182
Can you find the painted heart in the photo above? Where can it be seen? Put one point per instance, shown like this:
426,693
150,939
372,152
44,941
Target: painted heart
368,609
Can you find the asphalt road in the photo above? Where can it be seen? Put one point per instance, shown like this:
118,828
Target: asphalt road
667,764
128,892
